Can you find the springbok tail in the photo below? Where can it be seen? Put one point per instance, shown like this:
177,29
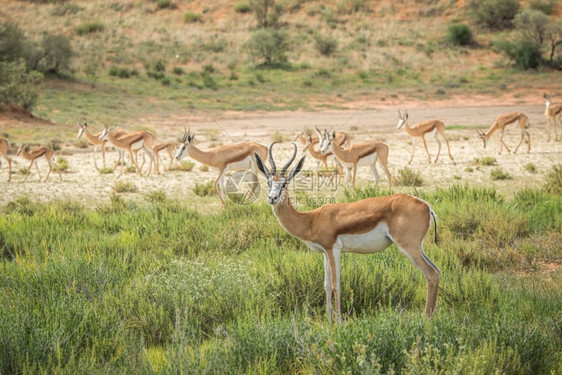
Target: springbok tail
435,222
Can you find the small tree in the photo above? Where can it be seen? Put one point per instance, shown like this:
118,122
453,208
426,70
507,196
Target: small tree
325,44
494,14
266,12
18,86
536,27
57,53
268,46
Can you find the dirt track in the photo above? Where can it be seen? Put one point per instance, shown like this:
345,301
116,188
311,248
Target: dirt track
85,184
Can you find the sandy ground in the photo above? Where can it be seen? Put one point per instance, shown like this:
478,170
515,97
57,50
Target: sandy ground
83,183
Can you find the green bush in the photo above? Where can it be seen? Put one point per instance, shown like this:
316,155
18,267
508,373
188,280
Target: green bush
266,12
268,47
486,160
125,187
525,54
204,190
242,7
459,35
164,4
326,44
499,174
494,14
545,6
177,70
90,27
553,180
62,164
18,85
57,53
192,17
408,177
65,9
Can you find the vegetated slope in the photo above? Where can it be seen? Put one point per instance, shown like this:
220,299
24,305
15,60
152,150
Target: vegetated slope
338,52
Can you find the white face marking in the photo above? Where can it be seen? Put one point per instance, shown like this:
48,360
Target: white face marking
81,132
547,103
276,189
400,123
182,152
103,134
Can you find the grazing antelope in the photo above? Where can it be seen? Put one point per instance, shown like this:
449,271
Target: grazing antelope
420,130
132,142
239,156
35,153
94,140
357,155
552,111
363,227
4,152
170,147
501,122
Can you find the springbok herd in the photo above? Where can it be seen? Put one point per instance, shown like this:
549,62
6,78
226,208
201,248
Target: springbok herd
365,226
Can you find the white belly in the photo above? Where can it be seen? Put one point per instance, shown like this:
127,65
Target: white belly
137,145
241,164
370,242
367,160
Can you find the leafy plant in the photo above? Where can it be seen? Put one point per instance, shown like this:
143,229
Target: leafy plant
89,28
204,190
499,174
268,47
125,187
459,35
494,14
326,44
408,177
192,17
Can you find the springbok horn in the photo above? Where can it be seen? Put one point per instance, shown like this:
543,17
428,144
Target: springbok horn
286,166
399,114
271,161
184,138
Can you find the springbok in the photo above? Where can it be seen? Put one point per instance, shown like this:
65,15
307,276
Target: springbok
4,152
225,158
501,122
132,142
363,227
96,142
420,130
357,155
35,153
552,111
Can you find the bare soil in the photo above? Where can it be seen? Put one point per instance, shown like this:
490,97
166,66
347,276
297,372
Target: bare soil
83,183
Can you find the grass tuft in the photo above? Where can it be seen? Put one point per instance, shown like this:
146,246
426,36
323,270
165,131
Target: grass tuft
125,187
408,177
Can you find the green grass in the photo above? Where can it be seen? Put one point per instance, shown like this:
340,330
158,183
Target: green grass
141,287
500,174
486,161
125,187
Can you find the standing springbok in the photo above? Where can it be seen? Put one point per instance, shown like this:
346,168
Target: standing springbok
170,147
357,155
4,152
132,142
552,111
239,156
364,227
35,153
501,122
420,130
96,142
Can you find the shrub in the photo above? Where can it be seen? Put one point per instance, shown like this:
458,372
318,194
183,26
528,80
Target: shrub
268,47
459,35
553,180
408,177
209,82
494,14
65,9
192,17
18,86
164,4
203,190
125,187
266,12
62,164
90,27
166,81
177,70
326,45
131,169
277,137
487,161
526,54
499,174
545,6
242,7
156,196
81,143
530,167
532,24
185,166
204,168
106,170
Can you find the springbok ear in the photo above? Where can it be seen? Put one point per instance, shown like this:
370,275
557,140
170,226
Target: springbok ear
406,115
190,138
261,166
334,134
296,169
